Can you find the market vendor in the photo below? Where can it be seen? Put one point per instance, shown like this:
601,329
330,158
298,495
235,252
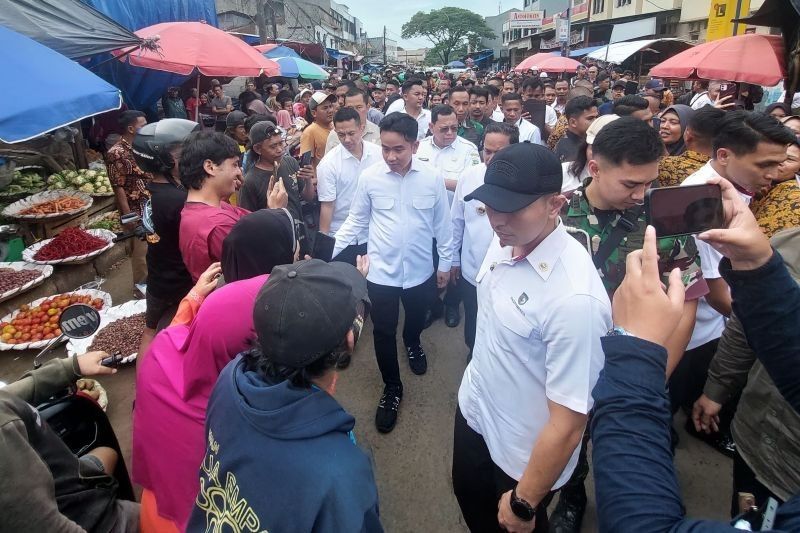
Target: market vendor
130,185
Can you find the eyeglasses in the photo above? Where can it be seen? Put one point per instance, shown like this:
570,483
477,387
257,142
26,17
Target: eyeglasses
445,129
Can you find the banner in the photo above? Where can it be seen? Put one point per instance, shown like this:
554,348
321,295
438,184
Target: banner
525,19
721,15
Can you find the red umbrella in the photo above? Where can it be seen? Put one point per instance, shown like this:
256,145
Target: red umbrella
186,47
558,64
532,62
265,47
750,58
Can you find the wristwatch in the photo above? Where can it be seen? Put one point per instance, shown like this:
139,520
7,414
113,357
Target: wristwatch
617,331
522,509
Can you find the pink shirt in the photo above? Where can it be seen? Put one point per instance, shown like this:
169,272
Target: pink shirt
203,228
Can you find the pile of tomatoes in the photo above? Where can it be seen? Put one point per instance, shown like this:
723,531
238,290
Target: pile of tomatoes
33,324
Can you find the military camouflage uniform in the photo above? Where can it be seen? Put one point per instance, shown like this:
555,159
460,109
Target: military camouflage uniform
680,252
472,131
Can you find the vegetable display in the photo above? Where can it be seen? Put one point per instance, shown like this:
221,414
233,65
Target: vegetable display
69,243
50,207
38,323
25,181
109,221
94,182
121,335
10,279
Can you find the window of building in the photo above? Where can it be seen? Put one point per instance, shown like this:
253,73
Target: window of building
621,3
598,6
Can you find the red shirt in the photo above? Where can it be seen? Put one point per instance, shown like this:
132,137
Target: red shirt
203,228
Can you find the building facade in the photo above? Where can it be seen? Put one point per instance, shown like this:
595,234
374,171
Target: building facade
498,45
693,22
374,50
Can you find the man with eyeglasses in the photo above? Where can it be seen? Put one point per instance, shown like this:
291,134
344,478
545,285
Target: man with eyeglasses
451,155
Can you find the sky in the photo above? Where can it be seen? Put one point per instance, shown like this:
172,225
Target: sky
394,13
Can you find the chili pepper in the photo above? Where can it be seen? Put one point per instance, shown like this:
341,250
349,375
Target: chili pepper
69,243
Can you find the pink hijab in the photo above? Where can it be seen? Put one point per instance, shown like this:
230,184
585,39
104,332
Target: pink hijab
284,119
173,385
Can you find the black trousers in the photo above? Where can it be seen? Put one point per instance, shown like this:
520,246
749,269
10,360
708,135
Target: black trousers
478,483
469,294
385,314
744,480
349,254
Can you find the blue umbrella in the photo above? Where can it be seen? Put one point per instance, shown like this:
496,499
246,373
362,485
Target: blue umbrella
296,67
51,90
281,51
456,64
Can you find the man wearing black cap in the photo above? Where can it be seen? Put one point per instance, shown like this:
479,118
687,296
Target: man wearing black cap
524,398
279,446
617,92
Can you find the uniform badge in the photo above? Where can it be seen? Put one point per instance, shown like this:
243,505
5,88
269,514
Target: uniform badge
423,159
523,299
481,210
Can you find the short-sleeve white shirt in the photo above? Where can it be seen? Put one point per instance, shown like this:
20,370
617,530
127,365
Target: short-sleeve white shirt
529,132
451,160
337,180
472,232
540,320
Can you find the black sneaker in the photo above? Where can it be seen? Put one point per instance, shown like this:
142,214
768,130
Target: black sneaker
417,360
386,415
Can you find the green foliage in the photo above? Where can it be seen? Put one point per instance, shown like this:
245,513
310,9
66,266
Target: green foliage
450,29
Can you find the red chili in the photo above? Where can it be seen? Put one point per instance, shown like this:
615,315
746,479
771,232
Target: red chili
69,243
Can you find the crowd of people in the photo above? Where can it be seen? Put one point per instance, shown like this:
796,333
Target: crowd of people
286,220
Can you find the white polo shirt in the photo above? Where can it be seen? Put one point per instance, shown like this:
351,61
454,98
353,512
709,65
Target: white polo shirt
404,214
337,180
529,132
398,106
497,115
709,324
472,232
540,320
452,160
550,116
701,100
423,120
372,134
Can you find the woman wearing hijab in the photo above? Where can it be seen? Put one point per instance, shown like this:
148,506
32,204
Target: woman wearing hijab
175,379
673,124
780,208
778,110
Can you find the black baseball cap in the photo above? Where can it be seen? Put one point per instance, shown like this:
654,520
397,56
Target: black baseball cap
619,83
304,310
517,176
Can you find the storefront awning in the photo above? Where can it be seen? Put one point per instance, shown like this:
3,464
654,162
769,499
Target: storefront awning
338,54
619,52
633,30
580,52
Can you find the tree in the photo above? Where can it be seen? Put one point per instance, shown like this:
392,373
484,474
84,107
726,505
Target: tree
435,56
449,29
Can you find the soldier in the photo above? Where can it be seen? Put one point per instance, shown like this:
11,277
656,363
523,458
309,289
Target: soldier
606,215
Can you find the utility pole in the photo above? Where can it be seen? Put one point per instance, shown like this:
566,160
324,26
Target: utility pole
271,9
384,46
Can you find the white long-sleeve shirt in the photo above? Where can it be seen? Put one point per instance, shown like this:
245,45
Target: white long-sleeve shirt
452,160
403,215
472,232
529,132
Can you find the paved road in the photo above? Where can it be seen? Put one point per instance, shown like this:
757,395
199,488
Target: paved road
412,464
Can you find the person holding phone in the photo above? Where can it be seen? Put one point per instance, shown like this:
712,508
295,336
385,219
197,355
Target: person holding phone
748,150
402,202
512,114
609,209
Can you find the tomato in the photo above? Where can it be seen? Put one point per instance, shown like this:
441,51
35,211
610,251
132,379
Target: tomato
53,319
26,336
58,331
37,337
52,311
17,335
6,337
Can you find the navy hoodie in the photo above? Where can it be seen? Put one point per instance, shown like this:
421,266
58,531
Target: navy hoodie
279,458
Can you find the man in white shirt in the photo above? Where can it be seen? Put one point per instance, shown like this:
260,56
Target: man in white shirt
542,308
532,89
337,178
747,150
357,99
512,114
451,155
403,204
414,94
562,90
472,232
708,97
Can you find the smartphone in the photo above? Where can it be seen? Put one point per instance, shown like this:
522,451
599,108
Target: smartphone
537,110
305,159
675,211
323,247
729,89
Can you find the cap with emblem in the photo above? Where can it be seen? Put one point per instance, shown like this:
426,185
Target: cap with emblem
517,176
262,131
619,83
304,310
319,97
234,119
655,85
598,124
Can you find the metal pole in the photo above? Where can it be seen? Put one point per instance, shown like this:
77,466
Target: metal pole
738,14
384,46
569,31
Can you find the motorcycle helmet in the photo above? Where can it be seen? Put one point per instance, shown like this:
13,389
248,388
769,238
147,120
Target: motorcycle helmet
154,142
